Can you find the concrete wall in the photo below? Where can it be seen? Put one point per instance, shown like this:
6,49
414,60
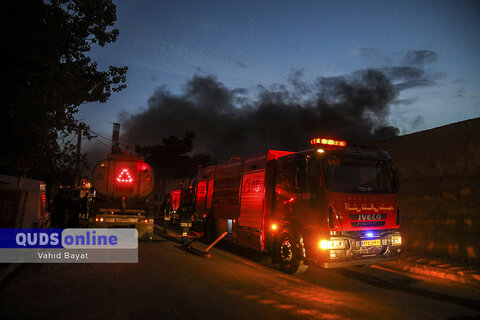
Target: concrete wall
439,171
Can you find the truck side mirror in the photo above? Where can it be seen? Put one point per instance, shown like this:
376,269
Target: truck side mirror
396,183
300,176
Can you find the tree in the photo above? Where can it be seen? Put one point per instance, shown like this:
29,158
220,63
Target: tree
47,75
170,160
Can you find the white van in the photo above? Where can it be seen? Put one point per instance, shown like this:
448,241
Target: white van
23,203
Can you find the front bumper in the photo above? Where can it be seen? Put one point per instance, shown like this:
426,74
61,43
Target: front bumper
145,229
354,254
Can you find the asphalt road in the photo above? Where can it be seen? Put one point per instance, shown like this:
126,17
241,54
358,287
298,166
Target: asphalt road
171,283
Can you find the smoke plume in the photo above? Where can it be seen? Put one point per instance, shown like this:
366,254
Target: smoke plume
237,122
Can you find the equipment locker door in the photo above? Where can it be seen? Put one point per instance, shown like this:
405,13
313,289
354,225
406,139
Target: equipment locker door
252,201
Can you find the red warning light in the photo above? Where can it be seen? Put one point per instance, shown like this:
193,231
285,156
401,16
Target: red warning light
124,176
328,142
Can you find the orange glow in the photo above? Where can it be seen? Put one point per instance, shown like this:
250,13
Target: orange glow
96,219
101,219
274,227
331,244
323,244
291,200
328,142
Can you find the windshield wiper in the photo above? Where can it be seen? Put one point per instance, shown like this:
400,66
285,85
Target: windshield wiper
364,188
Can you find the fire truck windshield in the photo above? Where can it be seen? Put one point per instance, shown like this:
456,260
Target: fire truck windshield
352,175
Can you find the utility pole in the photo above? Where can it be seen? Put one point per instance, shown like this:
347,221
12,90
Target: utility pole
77,162
116,139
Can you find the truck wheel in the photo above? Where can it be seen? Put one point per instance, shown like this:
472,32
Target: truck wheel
209,230
290,257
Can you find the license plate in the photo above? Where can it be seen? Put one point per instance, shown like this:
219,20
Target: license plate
125,220
369,243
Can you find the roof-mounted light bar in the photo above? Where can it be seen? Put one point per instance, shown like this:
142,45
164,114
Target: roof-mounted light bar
328,142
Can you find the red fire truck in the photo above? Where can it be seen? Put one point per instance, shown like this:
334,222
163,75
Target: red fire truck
178,195
333,205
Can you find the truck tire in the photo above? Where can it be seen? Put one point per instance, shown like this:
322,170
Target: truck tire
289,252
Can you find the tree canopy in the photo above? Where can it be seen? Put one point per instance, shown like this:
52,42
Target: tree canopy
47,74
170,160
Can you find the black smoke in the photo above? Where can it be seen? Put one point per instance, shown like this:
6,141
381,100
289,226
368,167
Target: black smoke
228,122
237,122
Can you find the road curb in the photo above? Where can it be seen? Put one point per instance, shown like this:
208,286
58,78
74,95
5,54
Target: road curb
437,269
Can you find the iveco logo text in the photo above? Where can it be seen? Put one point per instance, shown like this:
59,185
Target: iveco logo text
374,216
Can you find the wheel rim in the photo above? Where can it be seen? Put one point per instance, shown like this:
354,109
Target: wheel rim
286,252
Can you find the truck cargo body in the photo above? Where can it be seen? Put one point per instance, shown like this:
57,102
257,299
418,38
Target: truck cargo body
123,184
23,203
335,208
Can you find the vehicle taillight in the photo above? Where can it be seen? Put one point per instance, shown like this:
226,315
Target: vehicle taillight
43,204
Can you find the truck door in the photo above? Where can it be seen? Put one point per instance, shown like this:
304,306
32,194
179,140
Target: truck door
306,188
252,201
200,203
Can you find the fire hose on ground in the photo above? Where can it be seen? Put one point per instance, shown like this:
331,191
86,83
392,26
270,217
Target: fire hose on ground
205,252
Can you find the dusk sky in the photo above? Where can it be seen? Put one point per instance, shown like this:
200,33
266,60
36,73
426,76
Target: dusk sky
249,43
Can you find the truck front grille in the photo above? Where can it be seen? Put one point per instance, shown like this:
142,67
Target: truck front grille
368,224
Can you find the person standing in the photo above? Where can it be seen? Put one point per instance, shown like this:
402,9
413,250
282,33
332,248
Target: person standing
186,210
60,206
166,210
74,209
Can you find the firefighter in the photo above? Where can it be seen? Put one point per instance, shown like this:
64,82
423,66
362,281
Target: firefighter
84,206
166,210
60,207
74,209
186,216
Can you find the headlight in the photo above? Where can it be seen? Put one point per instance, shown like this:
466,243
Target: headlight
396,240
331,244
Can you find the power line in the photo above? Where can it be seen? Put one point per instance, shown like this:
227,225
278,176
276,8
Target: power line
99,141
109,139
63,141
98,134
